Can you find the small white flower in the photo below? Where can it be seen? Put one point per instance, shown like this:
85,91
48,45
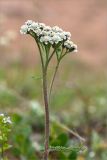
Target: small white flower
42,25
1,115
51,33
34,26
47,28
47,34
75,48
68,34
38,32
56,29
45,39
24,29
62,36
7,120
29,22
68,44
44,33
56,39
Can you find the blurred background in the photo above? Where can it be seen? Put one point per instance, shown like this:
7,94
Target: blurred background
79,98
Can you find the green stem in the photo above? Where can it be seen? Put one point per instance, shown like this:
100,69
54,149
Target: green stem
63,55
41,55
53,52
54,75
45,95
55,72
53,79
46,152
51,56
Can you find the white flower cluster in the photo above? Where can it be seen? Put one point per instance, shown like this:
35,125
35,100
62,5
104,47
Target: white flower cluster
49,35
70,45
5,119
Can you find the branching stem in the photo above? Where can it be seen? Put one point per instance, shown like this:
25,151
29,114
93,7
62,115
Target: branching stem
52,81
46,103
55,72
45,92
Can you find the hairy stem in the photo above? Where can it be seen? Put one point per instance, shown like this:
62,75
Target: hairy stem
46,152
46,103
55,72
52,81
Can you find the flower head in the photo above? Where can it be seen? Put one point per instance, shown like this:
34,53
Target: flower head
49,35
24,29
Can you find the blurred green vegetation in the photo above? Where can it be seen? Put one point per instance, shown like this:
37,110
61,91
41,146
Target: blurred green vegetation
78,100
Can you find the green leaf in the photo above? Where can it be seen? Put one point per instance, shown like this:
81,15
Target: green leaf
62,156
73,155
16,151
61,140
64,149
